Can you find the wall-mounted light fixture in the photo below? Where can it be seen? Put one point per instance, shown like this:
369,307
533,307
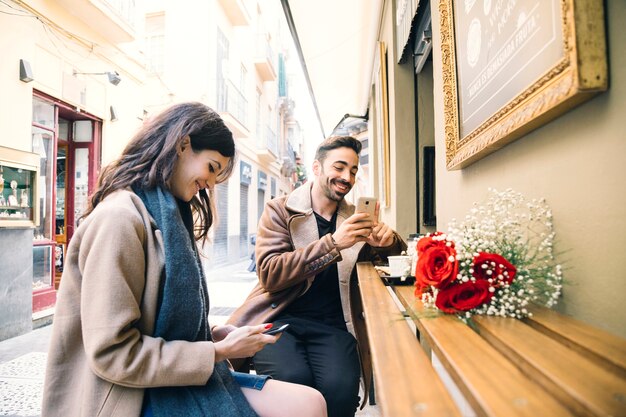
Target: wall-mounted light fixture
113,113
26,73
114,76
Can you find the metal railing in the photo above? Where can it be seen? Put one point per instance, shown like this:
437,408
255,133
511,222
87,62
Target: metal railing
232,101
270,140
126,9
264,49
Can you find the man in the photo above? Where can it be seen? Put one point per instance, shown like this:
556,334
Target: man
307,246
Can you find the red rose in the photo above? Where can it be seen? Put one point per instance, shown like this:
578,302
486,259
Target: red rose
427,241
501,269
463,297
436,266
419,290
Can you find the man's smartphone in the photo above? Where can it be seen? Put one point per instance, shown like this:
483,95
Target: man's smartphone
276,330
366,205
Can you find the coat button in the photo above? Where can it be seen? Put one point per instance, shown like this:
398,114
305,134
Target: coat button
274,305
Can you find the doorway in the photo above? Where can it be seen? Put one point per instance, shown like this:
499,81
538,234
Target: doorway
68,142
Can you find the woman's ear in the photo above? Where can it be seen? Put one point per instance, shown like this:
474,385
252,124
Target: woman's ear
183,144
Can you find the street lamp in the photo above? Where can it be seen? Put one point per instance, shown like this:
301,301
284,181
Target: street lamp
114,76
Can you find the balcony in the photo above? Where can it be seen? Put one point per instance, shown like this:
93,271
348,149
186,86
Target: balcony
113,19
236,12
289,161
267,146
264,59
233,108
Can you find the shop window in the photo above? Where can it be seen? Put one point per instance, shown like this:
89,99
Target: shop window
42,267
43,144
81,183
43,113
83,131
60,206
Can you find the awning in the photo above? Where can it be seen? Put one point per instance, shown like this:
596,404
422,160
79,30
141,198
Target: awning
336,41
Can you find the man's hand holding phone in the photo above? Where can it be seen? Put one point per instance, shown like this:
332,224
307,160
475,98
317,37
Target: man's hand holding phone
368,205
382,235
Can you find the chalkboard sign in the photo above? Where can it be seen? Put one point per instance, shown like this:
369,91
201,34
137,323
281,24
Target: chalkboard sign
502,48
509,66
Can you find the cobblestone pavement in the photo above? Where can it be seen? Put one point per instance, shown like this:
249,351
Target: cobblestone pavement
23,358
21,379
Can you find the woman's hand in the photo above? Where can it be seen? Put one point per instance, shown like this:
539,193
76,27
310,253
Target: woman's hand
243,342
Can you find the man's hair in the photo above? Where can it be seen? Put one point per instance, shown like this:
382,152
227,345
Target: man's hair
335,142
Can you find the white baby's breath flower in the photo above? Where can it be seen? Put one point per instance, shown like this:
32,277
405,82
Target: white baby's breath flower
522,232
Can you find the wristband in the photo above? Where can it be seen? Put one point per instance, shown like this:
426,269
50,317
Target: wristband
332,239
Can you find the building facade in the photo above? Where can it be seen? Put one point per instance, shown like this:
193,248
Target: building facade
61,103
80,76
230,55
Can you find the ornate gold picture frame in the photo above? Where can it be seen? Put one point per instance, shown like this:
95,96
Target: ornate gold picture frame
509,68
382,124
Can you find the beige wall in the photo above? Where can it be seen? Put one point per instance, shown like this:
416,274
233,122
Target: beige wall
53,57
401,214
578,163
426,131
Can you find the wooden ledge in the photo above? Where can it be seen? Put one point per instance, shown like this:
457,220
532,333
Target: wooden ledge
491,383
578,383
545,365
605,349
406,383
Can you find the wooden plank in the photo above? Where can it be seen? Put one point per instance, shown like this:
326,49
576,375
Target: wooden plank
406,383
490,382
579,383
598,345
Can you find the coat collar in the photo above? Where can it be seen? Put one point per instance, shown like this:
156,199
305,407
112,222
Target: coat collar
303,231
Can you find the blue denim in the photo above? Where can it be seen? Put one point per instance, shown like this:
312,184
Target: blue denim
250,380
243,380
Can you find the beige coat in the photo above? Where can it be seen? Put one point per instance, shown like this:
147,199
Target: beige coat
101,355
290,253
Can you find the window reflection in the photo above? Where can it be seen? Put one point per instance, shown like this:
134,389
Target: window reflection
81,182
42,274
42,142
60,188
43,113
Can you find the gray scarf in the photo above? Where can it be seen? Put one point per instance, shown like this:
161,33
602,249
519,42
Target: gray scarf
183,315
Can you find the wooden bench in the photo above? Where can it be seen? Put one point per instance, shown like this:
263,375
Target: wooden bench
548,365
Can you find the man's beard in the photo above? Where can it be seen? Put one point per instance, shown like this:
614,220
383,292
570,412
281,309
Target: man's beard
332,194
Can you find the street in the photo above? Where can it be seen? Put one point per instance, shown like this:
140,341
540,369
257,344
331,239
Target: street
23,358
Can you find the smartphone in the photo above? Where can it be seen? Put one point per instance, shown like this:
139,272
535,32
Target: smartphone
366,205
276,330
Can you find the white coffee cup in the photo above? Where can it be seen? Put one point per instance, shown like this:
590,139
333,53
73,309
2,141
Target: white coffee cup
399,266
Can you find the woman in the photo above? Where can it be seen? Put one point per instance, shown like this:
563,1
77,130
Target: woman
131,336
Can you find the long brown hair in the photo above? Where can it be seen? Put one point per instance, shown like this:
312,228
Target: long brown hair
148,159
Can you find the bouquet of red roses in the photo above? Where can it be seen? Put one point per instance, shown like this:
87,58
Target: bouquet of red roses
496,262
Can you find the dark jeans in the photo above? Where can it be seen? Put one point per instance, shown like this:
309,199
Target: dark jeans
320,356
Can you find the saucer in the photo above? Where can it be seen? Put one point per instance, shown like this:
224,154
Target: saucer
410,280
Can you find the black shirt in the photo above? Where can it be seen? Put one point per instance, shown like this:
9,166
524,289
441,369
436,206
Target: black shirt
322,301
